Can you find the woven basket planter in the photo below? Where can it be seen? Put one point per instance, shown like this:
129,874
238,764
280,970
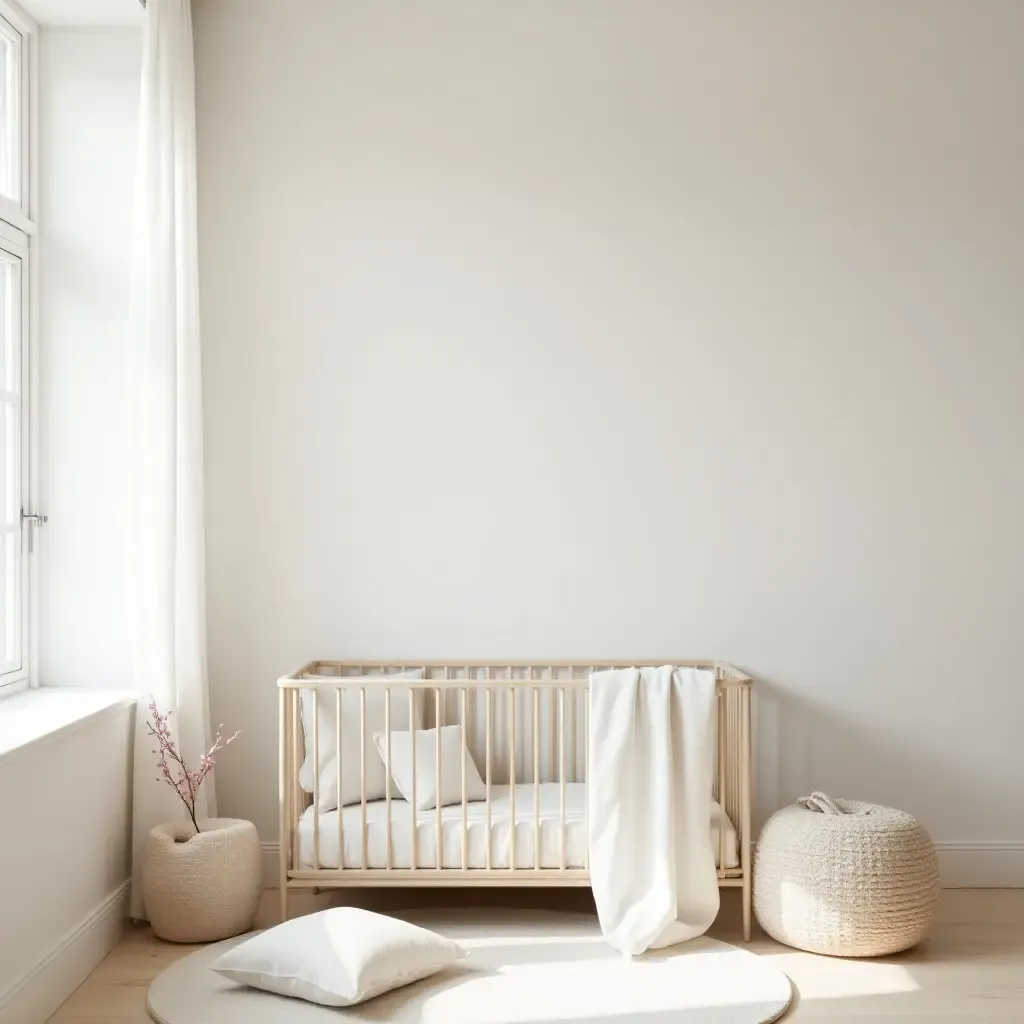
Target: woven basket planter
845,878
205,887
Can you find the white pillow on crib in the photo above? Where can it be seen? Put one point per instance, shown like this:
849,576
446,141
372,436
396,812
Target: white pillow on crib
376,777
453,747
338,957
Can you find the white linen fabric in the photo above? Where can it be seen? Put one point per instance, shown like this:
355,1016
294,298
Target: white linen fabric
339,957
476,823
453,747
351,754
652,868
165,531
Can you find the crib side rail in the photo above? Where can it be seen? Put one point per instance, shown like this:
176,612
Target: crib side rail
524,724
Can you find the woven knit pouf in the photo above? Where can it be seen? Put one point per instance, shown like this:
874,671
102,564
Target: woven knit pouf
845,878
200,888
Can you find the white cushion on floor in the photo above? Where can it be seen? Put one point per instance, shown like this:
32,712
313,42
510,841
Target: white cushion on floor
338,957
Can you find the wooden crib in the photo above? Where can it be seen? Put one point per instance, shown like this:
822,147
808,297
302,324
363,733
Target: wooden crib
525,725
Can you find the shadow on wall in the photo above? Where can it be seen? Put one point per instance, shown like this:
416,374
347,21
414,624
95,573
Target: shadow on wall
802,746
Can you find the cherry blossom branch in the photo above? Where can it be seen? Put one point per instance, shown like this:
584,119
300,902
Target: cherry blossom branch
184,781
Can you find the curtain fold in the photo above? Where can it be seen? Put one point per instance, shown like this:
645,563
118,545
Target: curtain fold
166,441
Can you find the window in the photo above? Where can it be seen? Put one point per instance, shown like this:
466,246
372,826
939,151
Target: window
13,563
16,65
17,255
10,111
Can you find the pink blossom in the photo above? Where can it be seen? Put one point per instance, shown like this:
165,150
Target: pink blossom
184,781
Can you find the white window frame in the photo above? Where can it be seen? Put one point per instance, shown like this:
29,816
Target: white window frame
20,212
18,236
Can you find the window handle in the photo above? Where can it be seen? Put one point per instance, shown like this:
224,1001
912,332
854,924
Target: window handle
34,518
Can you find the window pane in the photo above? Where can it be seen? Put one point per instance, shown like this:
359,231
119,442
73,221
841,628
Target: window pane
6,333
10,112
10,464
10,614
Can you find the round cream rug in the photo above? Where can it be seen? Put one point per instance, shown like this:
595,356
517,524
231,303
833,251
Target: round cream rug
524,967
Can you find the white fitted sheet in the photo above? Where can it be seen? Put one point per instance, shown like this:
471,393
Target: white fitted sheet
476,818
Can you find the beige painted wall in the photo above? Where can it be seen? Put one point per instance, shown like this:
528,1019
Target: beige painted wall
66,802
605,329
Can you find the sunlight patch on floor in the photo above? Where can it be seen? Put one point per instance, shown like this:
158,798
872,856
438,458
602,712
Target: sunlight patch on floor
531,940
562,982
822,977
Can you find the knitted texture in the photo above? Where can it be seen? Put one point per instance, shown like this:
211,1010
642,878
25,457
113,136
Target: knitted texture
845,878
204,889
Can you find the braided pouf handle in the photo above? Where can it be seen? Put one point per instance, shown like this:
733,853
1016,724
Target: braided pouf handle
820,802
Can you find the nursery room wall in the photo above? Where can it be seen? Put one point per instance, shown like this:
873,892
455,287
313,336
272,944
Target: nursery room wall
605,330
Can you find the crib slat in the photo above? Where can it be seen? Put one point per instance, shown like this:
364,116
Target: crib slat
284,797
522,756
552,713
469,722
439,835
337,779
745,796
586,772
720,708
297,745
561,770
362,767
512,776
487,760
536,779
316,780
463,756
412,806
572,732
735,743
387,775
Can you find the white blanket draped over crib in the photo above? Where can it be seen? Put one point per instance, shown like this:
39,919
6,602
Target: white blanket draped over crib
651,743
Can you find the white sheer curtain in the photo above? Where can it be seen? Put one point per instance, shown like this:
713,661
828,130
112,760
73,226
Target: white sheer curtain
169,597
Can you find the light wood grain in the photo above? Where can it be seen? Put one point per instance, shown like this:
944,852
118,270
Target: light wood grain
971,968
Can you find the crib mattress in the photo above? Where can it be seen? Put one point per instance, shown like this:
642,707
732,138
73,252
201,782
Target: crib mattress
476,818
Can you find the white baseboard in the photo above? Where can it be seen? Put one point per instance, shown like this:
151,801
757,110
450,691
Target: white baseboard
961,865
271,878
36,997
981,865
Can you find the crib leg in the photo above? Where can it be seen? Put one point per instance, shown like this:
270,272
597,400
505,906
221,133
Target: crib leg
747,898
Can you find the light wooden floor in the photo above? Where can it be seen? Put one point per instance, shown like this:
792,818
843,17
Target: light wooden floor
971,969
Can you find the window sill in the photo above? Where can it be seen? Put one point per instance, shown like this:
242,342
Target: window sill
34,716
